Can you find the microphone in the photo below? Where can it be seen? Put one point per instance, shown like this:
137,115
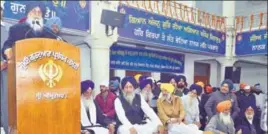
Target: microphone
57,37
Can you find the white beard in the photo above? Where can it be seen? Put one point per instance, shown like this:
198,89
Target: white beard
86,101
167,98
147,95
249,118
129,96
226,119
35,27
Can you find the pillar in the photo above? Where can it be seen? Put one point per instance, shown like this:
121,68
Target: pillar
229,12
229,59
100,43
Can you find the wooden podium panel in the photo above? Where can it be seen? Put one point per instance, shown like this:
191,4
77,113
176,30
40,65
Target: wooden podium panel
44,87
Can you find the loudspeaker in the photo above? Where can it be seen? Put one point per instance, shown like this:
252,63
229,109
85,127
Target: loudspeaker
112,18
233,73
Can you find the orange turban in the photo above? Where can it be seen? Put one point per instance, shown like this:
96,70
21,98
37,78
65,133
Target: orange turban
242,85
224,105
200,83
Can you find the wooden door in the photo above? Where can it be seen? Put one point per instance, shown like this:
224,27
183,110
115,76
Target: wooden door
202,72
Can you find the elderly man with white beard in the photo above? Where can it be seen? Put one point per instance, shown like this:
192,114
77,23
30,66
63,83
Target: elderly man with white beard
222,123
191,105
171,112
146,92
248,123
92,117
31,28
131,109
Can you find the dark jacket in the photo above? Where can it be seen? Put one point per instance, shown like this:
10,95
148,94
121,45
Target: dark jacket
23,31
217,97
243,101
204,99
247,128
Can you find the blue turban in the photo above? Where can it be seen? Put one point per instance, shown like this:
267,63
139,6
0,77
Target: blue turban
197,88
142,78
250,104
179,77
33,4
128,79
114,83
54,20
116,78
229,83
145,82
86,84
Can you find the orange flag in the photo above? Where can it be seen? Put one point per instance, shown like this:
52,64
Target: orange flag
242,23
261,19
251,21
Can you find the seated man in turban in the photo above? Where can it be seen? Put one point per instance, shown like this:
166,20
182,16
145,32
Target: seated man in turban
92,118
131,109
190,103
171,112
222,123
222,95
146,92
114,85
181,86
248,123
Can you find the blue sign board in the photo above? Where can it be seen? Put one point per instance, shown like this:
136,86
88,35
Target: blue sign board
128,58
251,42
73,14
152,28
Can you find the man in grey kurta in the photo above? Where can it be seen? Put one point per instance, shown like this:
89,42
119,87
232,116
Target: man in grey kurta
217,126
4,105
223,94
222,123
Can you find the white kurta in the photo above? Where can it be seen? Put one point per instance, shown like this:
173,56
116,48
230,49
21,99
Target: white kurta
192,111
183,129
93,118
150,127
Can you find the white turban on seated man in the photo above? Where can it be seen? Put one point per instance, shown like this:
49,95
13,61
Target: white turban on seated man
171,112
131,109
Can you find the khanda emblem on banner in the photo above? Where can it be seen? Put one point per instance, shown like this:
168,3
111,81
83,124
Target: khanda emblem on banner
50,73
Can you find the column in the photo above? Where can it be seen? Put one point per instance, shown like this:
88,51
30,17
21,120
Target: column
100,43
229,12
229,59
100,60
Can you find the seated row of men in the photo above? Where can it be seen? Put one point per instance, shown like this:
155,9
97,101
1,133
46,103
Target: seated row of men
141,111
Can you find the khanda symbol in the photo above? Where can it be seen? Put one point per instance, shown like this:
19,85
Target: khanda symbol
50,73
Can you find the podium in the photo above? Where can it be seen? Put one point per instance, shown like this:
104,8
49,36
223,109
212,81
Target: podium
44,87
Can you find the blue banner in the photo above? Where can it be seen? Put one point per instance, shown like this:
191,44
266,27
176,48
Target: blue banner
152,28
145,60
73,14
251,43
